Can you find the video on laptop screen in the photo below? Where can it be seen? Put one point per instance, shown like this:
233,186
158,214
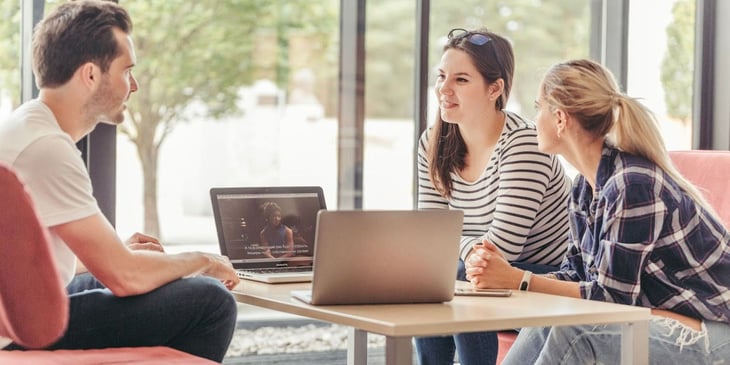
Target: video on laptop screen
269,227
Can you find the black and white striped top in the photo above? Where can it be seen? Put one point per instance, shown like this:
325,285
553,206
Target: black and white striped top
519,203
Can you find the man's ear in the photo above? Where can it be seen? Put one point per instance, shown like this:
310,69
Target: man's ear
89,74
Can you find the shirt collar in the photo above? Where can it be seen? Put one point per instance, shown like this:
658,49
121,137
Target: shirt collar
606,166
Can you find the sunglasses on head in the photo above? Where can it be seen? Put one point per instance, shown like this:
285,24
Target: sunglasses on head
477,39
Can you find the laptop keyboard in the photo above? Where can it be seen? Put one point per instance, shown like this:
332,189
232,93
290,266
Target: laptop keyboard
282,269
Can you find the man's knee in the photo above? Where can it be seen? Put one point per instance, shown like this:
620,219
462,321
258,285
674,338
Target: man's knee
213,291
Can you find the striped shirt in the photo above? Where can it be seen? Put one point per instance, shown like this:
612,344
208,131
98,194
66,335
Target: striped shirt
518,203
643,241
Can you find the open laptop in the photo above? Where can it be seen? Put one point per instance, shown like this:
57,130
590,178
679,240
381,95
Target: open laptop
268,232
384,257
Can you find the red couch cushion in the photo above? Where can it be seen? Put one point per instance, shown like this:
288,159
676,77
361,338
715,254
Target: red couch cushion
33,302
506,338
122,355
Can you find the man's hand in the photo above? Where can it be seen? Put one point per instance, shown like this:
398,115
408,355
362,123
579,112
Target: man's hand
140,241
222,269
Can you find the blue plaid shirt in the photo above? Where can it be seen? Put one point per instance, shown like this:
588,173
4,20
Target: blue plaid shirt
642,241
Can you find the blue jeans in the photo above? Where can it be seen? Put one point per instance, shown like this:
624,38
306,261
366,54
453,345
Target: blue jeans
196,315
474,348
670,342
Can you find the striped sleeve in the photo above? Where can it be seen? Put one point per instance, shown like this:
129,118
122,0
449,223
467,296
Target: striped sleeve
428,196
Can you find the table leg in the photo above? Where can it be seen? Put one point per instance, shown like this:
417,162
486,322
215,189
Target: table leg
357,347
398,350
635,343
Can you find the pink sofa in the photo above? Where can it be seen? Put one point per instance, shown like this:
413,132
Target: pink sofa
708,170
33,301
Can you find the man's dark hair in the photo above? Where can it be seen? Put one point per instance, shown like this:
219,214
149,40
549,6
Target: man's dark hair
75,33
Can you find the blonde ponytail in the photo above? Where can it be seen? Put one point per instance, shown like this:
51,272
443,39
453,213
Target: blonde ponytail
636,131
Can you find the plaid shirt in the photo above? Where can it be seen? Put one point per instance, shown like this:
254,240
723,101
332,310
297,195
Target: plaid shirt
642,241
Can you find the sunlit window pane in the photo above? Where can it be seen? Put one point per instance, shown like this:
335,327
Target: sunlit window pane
389,104
240,94
661,64
538,41
9,57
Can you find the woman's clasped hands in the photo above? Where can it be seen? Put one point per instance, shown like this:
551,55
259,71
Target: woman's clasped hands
486,268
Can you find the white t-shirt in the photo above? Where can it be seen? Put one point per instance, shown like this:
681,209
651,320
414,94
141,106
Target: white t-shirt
47,161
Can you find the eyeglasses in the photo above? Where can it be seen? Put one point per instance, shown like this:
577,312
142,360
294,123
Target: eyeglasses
477,39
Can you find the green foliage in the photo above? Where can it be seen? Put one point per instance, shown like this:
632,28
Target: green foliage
187,51
10,50
542,33
677,70
205,51
193,57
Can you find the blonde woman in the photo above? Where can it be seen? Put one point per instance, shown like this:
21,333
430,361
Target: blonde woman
640,233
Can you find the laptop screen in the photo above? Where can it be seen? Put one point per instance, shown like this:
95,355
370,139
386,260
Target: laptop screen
267,227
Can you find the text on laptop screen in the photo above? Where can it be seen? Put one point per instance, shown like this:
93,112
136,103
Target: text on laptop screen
269,227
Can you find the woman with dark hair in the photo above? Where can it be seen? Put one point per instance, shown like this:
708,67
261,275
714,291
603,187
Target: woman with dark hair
641,234
277,240
484,160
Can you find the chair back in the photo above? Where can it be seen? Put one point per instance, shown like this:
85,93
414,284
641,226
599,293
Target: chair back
33,301
710,172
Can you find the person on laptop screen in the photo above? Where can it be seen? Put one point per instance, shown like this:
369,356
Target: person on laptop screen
277,240
483,160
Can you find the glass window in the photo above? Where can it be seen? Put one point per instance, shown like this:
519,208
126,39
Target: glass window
240,94
9,57
246,94
661,64
389,104
538,41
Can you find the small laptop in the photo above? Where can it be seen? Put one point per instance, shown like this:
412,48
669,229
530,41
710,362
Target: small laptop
268,232
384,257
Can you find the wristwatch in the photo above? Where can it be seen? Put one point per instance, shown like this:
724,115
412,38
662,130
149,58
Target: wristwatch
525,282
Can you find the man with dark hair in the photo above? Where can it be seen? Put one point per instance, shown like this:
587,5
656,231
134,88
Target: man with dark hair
83,57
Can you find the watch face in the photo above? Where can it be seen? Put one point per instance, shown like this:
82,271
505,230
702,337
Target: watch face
525,282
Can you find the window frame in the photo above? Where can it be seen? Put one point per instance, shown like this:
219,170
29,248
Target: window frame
609,19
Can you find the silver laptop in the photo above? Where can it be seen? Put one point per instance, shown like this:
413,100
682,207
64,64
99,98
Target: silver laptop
268,232
384,257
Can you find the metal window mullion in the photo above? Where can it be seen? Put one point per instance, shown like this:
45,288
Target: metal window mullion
609,36
710,108
351,113
31,12
420,87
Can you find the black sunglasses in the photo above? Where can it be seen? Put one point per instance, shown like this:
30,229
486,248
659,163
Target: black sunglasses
477,39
